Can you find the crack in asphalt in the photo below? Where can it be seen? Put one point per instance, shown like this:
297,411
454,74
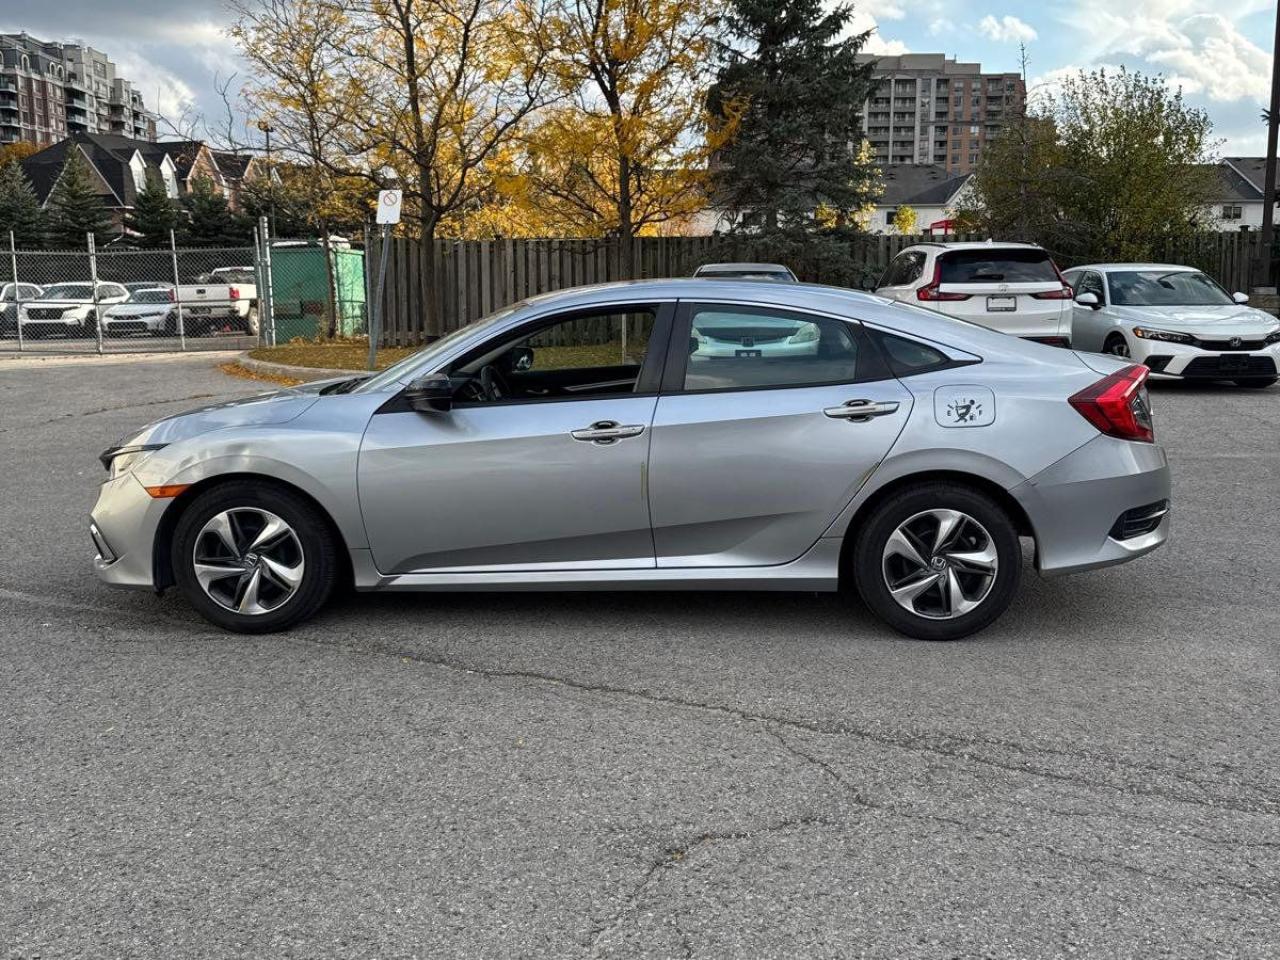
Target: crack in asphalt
949,747
672,856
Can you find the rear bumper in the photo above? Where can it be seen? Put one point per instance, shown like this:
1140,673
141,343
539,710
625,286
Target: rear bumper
1075,504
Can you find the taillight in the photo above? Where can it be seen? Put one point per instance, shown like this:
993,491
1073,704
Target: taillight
172,297
1066,293
1118,406
933,291
233,293
1063,293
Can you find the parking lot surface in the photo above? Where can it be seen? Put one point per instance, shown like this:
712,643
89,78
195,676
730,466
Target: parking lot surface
626,775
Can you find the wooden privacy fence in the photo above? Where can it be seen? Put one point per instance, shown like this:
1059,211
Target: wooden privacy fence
475,277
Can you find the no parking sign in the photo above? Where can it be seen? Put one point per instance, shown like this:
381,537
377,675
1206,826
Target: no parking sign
389,205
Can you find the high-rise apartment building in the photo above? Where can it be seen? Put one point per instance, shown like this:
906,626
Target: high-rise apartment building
928,109
48,90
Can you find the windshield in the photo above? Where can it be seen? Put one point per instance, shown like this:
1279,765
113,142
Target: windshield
68,291
422,359
149,296
1164,288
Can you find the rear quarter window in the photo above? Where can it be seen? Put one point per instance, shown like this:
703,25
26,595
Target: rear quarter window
908,357
997,266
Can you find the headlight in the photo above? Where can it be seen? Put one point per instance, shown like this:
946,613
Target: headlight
1146,333
1273,337
121,460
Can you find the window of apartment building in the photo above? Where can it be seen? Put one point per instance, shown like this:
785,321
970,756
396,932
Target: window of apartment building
973,158
974,131
1232,211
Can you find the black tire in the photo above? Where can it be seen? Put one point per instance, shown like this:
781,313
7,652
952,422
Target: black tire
1258,383
318,544
867,562
1117,346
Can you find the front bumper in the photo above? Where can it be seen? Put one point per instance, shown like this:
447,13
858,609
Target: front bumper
1075,504
123,529
1190,362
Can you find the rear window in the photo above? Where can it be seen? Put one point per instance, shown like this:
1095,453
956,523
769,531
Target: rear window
997,266
150,296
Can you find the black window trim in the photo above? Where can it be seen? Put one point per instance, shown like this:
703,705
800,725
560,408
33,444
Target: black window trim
678,349
876,331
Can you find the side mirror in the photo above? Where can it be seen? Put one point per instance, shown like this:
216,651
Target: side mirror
430,394
1240,297
1088,300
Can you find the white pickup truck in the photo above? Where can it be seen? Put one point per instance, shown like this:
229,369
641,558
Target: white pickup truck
225,298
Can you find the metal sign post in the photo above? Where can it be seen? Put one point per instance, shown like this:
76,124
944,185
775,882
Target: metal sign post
93,273
389,202
177,292
17,288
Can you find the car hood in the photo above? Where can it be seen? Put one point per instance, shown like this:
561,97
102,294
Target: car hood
279,407
1228,320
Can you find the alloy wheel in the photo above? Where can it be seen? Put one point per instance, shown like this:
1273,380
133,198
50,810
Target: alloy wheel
940,564
1118,348
248,560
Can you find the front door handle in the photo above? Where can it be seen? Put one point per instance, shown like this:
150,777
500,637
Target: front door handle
607,431
860,411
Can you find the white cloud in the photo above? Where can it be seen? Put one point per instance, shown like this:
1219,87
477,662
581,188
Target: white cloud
1198,48
864,20
1007,29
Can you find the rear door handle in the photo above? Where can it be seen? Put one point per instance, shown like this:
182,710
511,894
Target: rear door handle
607,431
860,411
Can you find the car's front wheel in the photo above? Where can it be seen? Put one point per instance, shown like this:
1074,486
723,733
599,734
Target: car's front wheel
254,557
937,561
1117,346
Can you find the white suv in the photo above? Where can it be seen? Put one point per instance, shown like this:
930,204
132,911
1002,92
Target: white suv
1014,288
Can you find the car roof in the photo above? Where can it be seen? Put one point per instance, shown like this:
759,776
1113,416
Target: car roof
1115,267
757,267
976,245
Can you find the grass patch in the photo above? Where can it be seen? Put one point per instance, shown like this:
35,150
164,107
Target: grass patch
354,355
336,354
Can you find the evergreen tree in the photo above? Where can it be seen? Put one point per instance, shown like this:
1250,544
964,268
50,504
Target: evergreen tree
154,213
796,164
210,223
19,208
74,207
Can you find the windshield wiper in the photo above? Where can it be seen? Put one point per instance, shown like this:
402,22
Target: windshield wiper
345,386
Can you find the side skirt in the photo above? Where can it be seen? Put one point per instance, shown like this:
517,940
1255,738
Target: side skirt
818,570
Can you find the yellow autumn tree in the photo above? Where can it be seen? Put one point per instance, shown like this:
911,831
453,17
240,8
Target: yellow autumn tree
626,151
431,89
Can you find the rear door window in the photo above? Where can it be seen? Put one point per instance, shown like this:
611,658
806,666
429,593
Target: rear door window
997,266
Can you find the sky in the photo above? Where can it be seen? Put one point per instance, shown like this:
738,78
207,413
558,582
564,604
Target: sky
1217,51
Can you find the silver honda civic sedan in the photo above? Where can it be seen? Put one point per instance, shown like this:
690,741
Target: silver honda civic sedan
592,440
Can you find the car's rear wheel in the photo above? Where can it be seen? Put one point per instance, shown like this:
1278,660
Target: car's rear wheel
254,557
1258,383
937,561
1117,346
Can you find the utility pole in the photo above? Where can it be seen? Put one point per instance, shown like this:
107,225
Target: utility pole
1269,177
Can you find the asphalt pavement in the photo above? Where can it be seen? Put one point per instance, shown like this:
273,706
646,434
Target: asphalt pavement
636,775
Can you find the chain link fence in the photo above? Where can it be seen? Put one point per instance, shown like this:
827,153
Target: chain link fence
107,300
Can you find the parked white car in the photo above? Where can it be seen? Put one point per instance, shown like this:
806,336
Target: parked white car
148,310
69,308
1176,321
10,295
1014,288
771,272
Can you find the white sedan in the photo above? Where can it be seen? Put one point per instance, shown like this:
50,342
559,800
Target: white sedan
1176,321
